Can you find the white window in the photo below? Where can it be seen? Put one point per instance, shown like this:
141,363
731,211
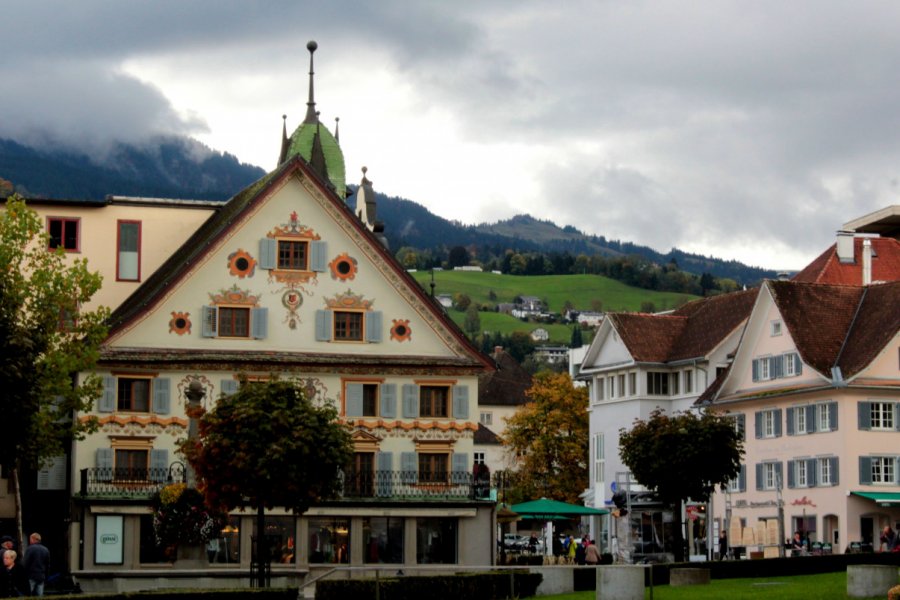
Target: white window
601,387
763,370
479,458
657,383
770,476
790,365
882,415
675,387
776,328
740,425
801,474
688,381
612,386
825,471
800,419
769,423
599,459
823,412
486,418
883,469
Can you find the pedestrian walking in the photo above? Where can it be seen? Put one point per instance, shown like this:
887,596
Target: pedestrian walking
37,564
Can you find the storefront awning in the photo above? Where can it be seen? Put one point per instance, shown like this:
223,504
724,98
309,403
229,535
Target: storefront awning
881,498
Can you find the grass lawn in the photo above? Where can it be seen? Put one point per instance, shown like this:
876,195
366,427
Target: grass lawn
828,586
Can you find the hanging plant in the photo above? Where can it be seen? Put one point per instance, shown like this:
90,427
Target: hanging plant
181,516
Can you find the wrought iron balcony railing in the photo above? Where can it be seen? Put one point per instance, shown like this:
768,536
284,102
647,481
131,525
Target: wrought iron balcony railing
376,485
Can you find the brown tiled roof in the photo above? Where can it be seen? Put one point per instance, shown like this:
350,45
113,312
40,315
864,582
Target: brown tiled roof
485,436
691,331
832,325
506,385
827,268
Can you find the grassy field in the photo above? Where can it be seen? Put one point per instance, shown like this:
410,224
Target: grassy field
580,290
829,586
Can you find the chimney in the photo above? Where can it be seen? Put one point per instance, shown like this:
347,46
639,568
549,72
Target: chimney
845,246
867,262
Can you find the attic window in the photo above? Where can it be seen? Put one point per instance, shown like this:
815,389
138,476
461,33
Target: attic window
776,328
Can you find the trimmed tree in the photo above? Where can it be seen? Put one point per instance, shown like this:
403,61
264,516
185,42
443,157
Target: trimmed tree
550,435
268,446
46,339
681,457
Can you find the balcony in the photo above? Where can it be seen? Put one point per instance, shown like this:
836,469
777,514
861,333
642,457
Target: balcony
105,482
355,485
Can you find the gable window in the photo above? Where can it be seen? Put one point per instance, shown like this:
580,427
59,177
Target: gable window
293,255
764,370
774,367
479,458
433,401
234,321
133,394
486,418
348,325
768,423
790,365
63,233
776,328
128,259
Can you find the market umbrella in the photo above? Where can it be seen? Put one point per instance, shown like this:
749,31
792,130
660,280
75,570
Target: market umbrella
505,515
548,510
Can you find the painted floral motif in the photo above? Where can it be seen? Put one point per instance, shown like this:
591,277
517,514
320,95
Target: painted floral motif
401,332
180,323
343,267
348,300
234,295
241,264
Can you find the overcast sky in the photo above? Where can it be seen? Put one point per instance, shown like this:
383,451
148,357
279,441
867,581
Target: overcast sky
745,130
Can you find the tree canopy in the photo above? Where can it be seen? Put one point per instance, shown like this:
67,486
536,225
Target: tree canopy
550,435
683,456
268,445
46,338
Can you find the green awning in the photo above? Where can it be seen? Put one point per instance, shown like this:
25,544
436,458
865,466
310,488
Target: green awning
881,498
553,509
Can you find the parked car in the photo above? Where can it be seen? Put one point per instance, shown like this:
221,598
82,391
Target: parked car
514,542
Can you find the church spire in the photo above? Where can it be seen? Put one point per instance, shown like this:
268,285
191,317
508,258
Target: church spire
285,140
311,116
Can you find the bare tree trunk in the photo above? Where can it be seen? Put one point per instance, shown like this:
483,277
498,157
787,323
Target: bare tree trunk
18,491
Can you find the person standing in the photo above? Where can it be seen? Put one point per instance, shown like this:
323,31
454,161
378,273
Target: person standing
888,539
592,554
12,577
723,544
37,564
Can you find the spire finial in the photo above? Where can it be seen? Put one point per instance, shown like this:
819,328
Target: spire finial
311,104
337,133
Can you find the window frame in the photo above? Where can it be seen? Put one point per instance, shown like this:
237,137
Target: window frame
431,413
287,266
234,310
348,320
658,383
131,381
886,468
885,415
429,463
824,476
768,423
770,475
64,222
486,418
119,251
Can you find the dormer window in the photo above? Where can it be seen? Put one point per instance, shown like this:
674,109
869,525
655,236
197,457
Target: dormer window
293,255
775,328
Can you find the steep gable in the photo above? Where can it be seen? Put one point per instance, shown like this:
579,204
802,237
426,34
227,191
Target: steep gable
828,268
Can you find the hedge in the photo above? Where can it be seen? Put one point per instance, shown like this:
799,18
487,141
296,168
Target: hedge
477,586
189,594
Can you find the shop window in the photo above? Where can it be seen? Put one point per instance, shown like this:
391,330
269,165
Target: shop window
279,540
226,548
383,537
436,541
329,541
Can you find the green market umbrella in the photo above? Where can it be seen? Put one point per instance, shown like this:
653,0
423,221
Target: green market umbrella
549,510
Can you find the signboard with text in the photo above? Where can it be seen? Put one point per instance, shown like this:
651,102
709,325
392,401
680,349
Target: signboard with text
108,546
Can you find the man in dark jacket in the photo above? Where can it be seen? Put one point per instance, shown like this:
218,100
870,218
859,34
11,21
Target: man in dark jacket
12,577
37,564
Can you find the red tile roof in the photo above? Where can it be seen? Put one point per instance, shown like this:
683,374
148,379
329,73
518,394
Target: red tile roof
505,386
827,268
691,331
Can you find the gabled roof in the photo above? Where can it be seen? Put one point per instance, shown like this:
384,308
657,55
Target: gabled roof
180,264
691,331
827,267
844,326
505,386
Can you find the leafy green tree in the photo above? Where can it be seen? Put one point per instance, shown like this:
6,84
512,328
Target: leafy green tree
472,323
46,338
461,302
268,446
550,435
458,257
648,307
682,456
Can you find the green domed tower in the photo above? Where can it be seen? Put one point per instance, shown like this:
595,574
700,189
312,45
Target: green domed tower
314,142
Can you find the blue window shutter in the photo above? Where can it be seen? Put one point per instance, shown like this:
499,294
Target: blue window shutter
897,420
161,394
798,364
791,466
460,402
811,472
835,479
410,401
373,326
409,467
778,472
323,325
758,417
789,417
354,400
267,253
460,469
259,321
107,402
229,387
742,425
811,424
759,477
384,474
833,416
865,470
774,367
208,321
755,369
864,409
318,256
104,460
742,479
777,412
159,465
388,392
